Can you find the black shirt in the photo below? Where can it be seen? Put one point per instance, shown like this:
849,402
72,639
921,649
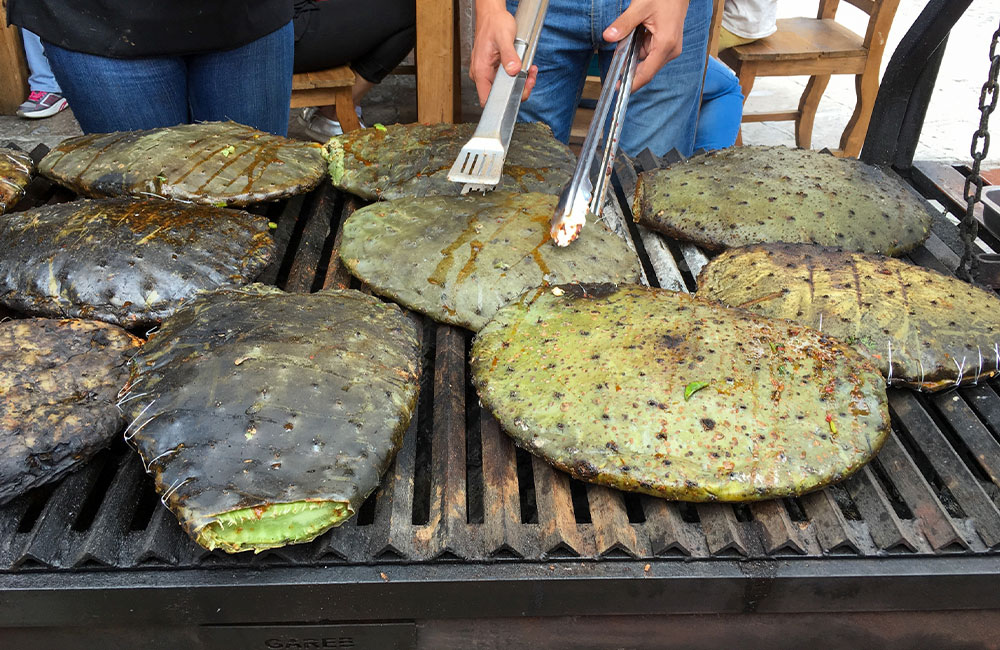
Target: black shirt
137,28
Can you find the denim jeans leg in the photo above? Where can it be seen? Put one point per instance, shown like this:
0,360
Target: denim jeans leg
251,84
564,49
721,108
41,77
121,94
663,114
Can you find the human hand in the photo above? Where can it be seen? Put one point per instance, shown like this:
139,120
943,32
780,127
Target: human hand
493,44
664,22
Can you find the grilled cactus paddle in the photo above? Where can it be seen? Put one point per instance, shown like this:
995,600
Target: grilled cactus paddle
213,163
934,330
746,195
459,260
265,418
16,170
125,261
59,382
408,160
659,392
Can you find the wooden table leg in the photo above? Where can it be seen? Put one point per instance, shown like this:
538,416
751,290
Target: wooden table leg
13,69
438,90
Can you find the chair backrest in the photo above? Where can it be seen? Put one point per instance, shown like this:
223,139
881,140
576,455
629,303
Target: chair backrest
713,32
880,15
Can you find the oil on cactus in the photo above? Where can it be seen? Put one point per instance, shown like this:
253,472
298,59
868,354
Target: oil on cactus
459,259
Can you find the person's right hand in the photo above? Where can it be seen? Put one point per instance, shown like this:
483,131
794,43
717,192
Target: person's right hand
493,44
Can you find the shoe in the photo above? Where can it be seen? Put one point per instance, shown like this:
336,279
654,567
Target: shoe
321,128
42,104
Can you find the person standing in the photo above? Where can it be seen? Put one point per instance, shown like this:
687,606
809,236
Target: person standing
126,65
45,96
663,109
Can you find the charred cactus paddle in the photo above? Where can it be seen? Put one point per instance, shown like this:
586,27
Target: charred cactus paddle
125,261
16,170
59,382
265,418
659,392
412,160
216,163
459,260
749,195
920,328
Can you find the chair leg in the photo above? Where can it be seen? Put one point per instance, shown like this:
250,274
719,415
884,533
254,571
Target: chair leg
808,104
853,137
345,110
746,72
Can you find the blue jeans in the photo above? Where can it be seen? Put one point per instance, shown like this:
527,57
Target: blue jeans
661,115
251,84
721,108
41,78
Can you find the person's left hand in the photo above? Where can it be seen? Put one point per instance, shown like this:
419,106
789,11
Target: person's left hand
664,22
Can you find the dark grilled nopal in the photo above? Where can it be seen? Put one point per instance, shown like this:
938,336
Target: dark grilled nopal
125,261
757,194
663,393
459,259
920,328
16,170
213,163
59,383
265,418
412,160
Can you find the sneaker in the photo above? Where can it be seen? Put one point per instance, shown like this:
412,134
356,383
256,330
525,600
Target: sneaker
321,128
42,104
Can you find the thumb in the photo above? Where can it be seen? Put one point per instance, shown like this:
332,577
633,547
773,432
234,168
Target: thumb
624,24
508,57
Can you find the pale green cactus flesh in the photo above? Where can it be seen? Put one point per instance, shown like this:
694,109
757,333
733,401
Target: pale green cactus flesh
919,327
757,194
272,526
659,392
407,160
212,162
459,259
265,418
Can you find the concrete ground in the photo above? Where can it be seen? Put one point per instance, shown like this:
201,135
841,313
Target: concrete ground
947,133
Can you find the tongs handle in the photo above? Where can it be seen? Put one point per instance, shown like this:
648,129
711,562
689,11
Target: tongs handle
589,184
500,111
529,17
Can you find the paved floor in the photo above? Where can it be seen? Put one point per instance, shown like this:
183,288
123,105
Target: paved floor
947,133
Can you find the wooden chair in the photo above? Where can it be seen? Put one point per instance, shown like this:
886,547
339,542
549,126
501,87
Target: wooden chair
330,87
819,47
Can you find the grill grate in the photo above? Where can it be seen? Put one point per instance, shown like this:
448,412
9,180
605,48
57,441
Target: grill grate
460,491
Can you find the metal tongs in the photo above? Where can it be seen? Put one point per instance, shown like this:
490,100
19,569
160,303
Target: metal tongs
480,162
585,192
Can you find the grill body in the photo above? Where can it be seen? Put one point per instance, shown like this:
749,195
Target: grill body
472,543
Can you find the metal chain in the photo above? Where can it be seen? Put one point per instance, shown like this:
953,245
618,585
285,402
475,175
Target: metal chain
980,147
